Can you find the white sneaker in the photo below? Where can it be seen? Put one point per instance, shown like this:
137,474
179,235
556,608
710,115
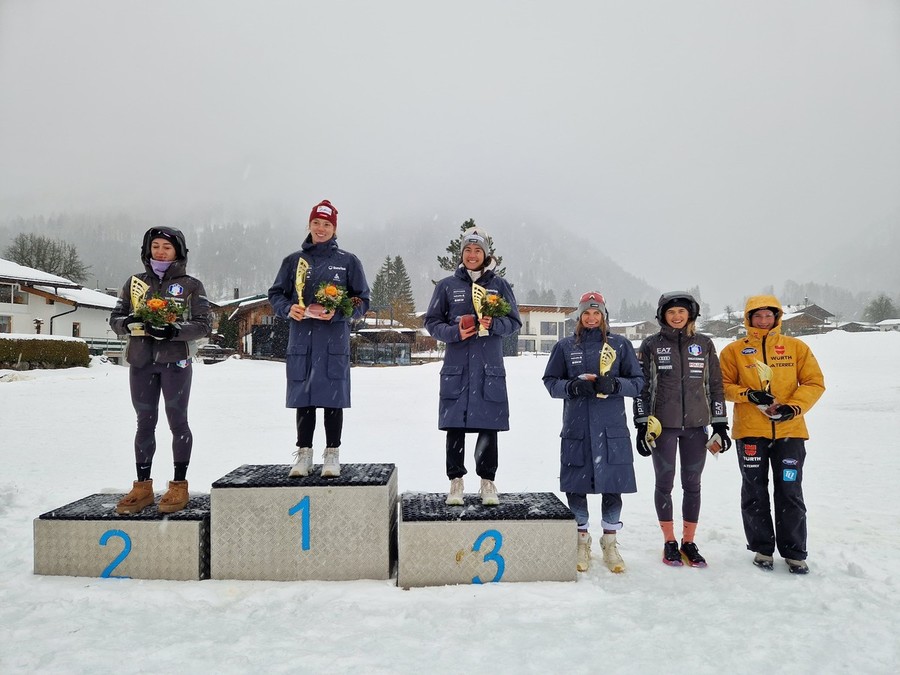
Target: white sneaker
611,557
331,465
584,552
455,497
302,464
488,492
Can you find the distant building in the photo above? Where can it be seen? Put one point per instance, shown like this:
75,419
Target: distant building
543,326
888,324
32,301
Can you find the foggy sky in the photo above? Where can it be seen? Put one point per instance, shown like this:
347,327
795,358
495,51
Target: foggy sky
725,144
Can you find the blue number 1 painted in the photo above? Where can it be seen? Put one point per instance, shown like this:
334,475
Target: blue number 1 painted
303,507
105,537
493,556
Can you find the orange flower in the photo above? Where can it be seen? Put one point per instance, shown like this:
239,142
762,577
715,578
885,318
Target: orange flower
492,299
156,304
331,290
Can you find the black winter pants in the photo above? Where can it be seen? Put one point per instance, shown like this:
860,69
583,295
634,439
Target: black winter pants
306,426
174,382
785,456
485,453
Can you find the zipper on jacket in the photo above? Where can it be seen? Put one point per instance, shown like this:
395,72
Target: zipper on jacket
681,358
766,361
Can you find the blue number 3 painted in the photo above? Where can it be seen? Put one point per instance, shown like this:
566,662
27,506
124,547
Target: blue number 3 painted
494,555
105,537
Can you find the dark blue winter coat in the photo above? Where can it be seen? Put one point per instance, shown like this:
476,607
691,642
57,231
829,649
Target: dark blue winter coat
473,378
318,352
595,450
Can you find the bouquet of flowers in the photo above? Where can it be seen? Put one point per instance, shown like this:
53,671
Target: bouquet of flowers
494,305
158,311
333,298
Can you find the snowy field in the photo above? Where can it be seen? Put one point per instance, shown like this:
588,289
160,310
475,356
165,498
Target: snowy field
67,434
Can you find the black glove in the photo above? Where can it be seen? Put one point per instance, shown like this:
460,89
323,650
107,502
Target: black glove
786,412
643,447
132,321
579,387
606,384
721,428
164,332
760,397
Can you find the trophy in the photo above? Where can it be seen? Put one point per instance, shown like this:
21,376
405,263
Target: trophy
300,280
607,358
764,371
654,429
138,290
478,295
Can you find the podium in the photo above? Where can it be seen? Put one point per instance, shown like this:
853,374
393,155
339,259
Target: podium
527,537
88,538
268,526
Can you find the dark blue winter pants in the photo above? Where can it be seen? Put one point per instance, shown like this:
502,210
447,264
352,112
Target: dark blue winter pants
692,445
174,382
785,456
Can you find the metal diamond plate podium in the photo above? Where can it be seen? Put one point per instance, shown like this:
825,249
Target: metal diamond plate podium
266,525
528,537
87,538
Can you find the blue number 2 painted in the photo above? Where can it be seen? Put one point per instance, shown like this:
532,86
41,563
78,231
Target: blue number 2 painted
303,507
493,556
105,537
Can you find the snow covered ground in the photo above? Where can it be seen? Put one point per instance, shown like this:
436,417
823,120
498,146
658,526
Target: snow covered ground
67,434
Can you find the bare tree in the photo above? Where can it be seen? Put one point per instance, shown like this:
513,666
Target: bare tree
53,256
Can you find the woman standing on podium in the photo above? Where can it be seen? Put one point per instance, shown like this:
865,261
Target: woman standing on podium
473,395
320,289
160,345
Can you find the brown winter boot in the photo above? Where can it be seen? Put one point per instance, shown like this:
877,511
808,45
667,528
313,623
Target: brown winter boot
140,497
176,497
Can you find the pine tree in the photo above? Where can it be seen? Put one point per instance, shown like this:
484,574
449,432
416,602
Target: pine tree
392,291
450,261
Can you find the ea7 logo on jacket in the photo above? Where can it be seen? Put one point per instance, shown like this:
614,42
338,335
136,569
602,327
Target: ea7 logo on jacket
663,350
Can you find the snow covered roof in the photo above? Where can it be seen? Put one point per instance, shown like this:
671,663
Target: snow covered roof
14,272
85,297
889,322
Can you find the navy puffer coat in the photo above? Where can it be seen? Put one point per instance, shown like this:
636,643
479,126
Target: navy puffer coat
595,450
318,352
473,377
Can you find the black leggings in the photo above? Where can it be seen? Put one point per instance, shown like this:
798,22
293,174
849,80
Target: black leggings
485,453
306,426
174,382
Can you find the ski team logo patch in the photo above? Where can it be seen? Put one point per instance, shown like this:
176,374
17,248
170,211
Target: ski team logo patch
789,475
324,210
748,350
779,349
175,289
694,350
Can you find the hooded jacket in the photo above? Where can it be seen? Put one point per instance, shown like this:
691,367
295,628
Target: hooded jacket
595,445
317,362
682,380
797,379
473,377
176,286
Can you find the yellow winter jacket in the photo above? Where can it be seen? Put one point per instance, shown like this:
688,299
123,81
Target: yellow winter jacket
797,379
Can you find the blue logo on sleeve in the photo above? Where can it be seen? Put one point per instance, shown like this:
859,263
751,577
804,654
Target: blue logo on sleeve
789,475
